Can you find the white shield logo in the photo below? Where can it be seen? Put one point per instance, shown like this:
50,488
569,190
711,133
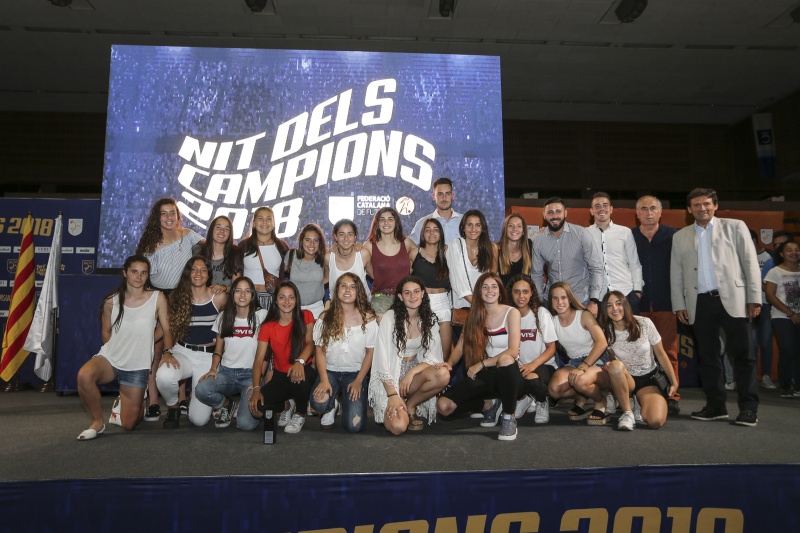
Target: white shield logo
766,236
340,207
75,226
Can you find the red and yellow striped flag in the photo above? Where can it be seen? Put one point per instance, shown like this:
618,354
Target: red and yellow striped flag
20,312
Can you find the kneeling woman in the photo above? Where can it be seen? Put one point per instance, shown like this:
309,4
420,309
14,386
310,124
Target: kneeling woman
193,309
232,363
585,348
490,346
345,338
632,342
286,338
537,348
407,370
128,318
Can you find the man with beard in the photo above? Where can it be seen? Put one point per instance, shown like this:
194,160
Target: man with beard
570,255
443,195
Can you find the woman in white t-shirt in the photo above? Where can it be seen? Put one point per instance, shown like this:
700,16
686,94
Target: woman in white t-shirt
783,292
344,338
537,347
635,348
231,370
262,255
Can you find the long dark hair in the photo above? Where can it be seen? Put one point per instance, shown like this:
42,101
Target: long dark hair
375,231
120,291
230,256
333,319
476,336
631,324
151,236
319,257
427,318
486,256
180,299
534,303
229,309
442,270
299,327
249,245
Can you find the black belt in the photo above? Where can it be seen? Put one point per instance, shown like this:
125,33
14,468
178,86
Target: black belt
713,294
198,347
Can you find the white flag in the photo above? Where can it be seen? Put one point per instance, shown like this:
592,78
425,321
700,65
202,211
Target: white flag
41,335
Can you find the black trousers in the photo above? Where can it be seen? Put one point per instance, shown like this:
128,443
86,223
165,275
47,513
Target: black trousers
710,317
280,388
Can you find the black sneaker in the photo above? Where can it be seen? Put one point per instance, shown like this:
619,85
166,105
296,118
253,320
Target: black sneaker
747,418
225,415
673,407
173,420
153,413
184,406
709,413
787,392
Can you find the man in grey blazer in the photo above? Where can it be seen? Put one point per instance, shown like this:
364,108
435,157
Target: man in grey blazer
715,283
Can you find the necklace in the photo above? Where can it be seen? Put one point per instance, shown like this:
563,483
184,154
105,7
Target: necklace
348,254
263,243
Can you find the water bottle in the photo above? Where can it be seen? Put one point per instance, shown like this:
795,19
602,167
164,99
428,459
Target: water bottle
269,427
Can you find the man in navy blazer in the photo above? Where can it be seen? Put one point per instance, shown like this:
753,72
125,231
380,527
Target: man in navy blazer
715,283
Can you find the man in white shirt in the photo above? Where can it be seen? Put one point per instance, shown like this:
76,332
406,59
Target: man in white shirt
621,268
443,195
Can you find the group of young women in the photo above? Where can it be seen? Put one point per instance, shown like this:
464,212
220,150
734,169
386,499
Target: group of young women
250,321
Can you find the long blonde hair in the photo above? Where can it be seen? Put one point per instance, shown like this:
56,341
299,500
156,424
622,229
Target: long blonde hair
504,256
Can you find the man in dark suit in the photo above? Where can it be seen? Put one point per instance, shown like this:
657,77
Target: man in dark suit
715,283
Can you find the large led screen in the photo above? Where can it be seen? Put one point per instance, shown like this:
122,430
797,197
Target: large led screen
318,136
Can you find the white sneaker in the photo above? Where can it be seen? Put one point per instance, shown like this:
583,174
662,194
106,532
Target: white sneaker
286,416
637,409
611,404
532,407
542,412
730,386
522,406
327,419
626,421
296,424
767,383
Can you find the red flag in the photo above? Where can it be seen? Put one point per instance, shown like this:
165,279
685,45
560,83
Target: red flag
20,312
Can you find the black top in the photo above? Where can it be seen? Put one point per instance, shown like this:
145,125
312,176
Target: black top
427,271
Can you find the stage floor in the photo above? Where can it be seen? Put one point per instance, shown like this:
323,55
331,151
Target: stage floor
38,441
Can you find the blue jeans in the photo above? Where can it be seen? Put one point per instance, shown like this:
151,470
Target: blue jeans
230,381
354,412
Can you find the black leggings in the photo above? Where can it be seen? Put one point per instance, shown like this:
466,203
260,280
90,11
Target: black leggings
538,387
503,382
280,388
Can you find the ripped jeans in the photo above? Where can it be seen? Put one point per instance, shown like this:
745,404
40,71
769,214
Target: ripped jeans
354,412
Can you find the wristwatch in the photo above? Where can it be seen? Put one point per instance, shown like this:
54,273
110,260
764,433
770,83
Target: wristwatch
301,361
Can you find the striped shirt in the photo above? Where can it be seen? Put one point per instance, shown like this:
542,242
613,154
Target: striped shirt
166,264
571,257
201,324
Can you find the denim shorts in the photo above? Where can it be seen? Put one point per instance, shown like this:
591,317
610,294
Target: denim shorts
132,378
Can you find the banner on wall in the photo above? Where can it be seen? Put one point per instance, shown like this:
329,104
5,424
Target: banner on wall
677,499
764,135
81,219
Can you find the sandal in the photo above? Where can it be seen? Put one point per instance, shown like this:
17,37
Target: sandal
577,413
414,423
598,418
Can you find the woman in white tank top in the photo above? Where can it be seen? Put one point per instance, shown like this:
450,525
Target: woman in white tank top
585,345
347,258
490,345
129,317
